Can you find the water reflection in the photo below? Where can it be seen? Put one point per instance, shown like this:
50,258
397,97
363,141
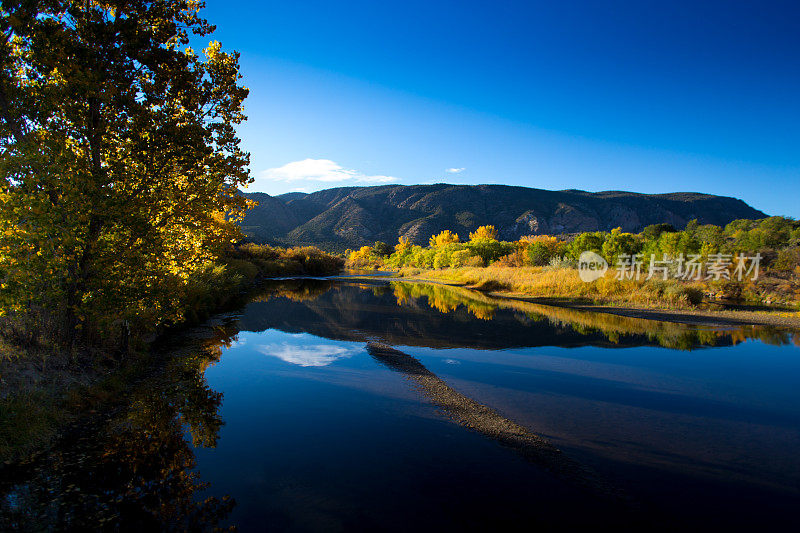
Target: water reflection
399,313
132,468
303,350
322,433
488,422
715,424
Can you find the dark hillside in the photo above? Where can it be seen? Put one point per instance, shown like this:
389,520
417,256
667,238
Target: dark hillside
349,217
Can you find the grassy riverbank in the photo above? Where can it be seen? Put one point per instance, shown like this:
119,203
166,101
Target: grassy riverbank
565,284
669,300
45,386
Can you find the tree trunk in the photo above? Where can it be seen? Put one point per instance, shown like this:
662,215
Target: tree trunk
80,282
78,286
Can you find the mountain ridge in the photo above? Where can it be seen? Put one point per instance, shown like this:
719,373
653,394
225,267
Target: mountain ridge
349,217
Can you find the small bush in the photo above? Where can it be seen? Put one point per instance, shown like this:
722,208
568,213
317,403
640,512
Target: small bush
514,259
693,295
243,268
459,258
788,260
538,254
676,292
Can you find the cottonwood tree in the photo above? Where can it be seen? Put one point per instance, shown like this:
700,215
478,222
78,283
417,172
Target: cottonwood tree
483,233
443,239
119,158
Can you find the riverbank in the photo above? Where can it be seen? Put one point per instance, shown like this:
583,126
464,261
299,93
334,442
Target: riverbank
44,388
44,401
670,301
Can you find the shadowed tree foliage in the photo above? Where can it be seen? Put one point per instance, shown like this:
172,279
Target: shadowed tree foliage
120,162
382,249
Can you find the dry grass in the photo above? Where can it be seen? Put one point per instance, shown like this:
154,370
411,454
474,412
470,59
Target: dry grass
564,283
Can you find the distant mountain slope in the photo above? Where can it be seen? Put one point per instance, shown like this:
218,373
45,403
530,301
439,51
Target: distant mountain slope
348,217
271,220
291,195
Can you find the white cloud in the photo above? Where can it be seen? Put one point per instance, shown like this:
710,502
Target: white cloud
307,355
323,170
455,170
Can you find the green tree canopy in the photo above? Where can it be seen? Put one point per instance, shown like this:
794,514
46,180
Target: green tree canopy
618,243
381,248
591,241
120,161
654,231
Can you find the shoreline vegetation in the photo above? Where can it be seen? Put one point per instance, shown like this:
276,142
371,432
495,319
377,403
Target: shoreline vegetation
216,286
544,267
447,298
709,315
45,387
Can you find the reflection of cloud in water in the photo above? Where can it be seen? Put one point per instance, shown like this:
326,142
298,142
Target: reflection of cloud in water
237,341
307,355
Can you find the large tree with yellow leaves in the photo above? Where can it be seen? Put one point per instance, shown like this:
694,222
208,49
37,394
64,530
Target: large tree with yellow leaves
119,159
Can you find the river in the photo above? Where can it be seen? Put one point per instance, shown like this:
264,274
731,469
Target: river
346,405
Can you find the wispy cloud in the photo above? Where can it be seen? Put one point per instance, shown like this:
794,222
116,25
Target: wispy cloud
321,170
455,170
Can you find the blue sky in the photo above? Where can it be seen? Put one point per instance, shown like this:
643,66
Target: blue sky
612,95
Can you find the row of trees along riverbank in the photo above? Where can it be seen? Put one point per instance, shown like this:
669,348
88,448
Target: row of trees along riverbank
546,265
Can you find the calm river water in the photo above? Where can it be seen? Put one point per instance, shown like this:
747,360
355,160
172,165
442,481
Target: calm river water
294,414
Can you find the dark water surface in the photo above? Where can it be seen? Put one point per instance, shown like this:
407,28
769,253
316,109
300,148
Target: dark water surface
282,419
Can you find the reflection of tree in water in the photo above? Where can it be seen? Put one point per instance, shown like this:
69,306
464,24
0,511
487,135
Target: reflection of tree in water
298,290
446,298
132,469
